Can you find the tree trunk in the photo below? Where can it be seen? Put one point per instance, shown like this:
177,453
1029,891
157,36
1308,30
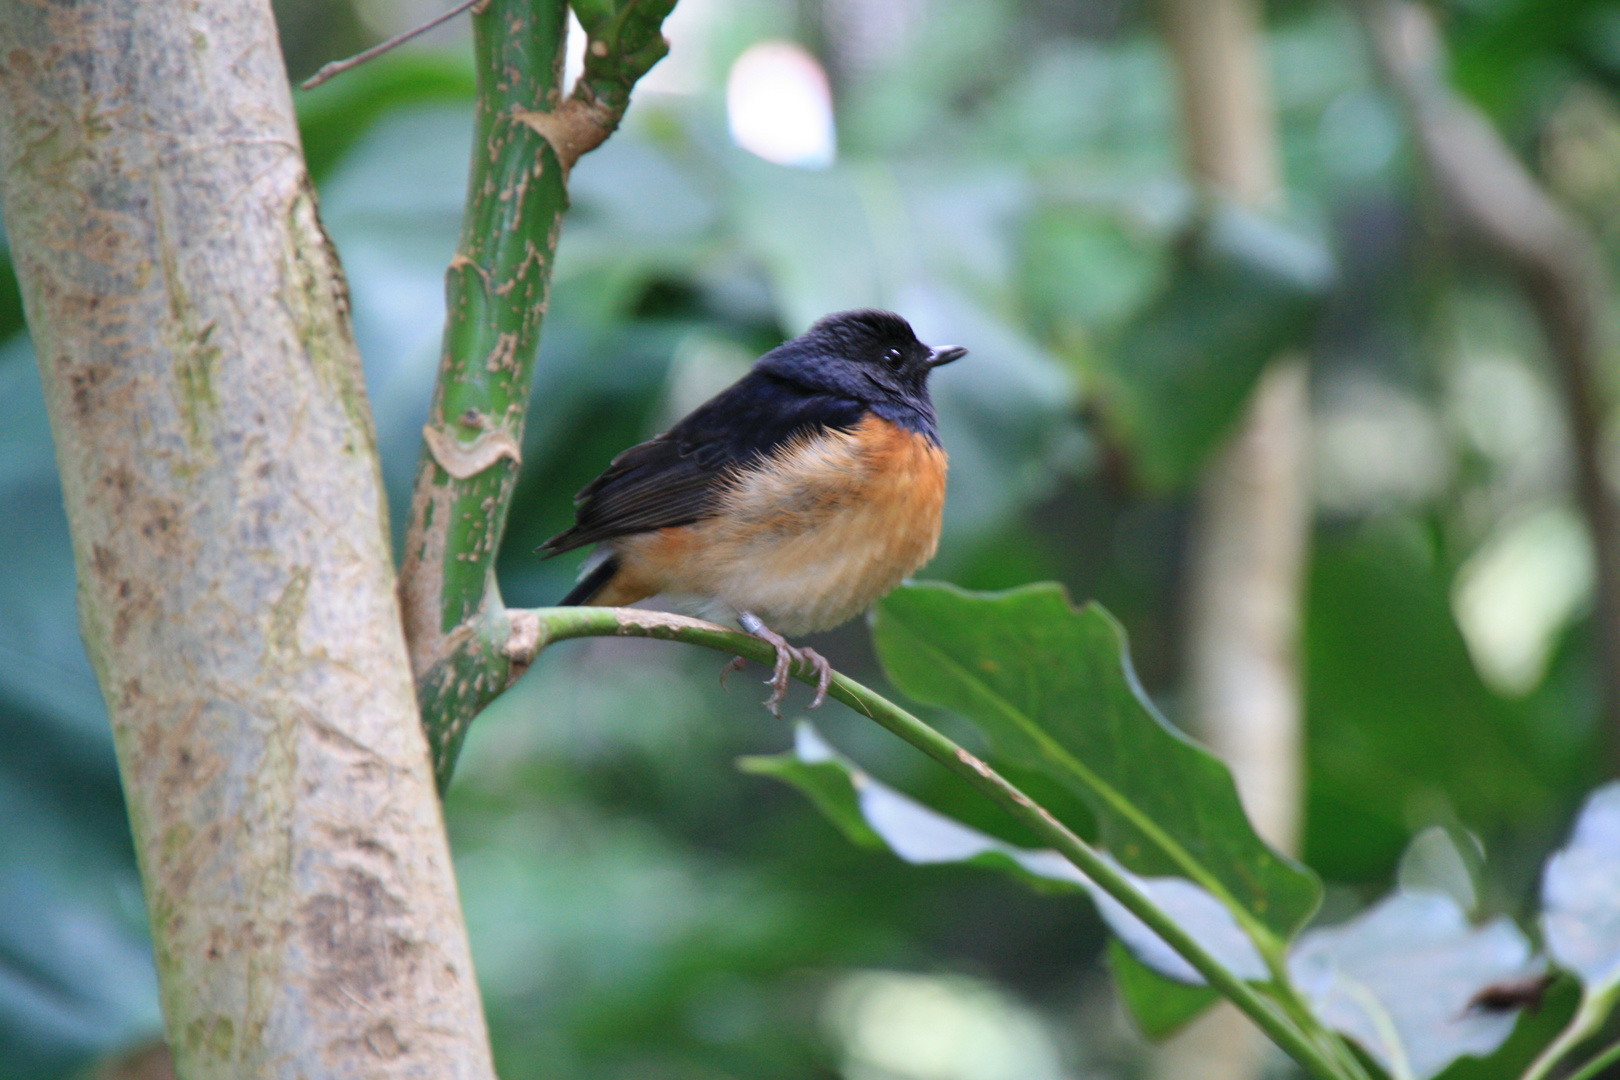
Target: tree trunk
236,591
1249,546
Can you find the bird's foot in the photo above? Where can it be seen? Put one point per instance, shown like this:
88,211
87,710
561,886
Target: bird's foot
786,657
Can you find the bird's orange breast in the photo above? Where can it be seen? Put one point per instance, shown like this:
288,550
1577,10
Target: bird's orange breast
807,538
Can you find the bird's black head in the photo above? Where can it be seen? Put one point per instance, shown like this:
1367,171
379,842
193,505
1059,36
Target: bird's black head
870,356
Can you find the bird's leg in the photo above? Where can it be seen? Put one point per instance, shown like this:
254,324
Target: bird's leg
786,657
736,664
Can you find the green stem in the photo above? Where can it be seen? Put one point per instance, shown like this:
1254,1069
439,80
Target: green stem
1592,1068
1594,1009
527,138
545,625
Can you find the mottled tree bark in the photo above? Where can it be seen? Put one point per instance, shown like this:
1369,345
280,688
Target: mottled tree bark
236,589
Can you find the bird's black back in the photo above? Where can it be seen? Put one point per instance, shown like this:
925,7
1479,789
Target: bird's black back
828,378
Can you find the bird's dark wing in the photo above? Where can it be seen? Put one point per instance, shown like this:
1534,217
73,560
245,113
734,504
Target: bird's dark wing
677,478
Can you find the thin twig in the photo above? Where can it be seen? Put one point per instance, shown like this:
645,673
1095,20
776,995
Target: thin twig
338,67
1588,1018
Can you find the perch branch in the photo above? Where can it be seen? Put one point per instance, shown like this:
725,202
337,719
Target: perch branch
540,627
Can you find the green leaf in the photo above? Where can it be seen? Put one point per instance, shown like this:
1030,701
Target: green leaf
11,308
1245,289
1580,896
1089,267
1400,979
1398,712
828,781
871,813
1053,689
1160,1005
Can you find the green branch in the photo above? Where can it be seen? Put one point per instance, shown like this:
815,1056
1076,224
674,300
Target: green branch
527,138
1314,1050
1594,1009
1594,1068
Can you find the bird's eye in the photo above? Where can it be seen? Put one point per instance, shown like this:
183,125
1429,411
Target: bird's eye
894,358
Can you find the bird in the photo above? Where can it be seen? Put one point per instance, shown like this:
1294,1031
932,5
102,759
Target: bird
789,502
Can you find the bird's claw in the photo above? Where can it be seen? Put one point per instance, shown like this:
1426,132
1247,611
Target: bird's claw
787,657
823,675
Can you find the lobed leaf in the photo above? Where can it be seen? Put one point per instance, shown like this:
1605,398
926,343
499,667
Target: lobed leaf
871,813
1053,689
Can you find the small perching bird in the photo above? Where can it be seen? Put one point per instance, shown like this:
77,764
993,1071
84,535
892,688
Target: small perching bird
790,501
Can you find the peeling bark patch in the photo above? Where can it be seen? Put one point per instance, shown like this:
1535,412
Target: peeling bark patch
643,619
83,383
106,562
195,360
503,357
465,460
364,843
573,128
973,763
384,1043
524,644
359,955
330,735
195,357
129,599
316,296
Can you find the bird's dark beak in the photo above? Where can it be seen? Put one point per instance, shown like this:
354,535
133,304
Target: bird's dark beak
945,354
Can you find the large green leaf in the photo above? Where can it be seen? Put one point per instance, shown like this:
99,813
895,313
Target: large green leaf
1053,689
1398,715
1245,288
871,813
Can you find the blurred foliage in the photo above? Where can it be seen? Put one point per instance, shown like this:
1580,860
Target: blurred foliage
1009,178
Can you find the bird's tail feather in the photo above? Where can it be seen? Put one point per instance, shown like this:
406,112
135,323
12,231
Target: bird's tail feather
591,584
